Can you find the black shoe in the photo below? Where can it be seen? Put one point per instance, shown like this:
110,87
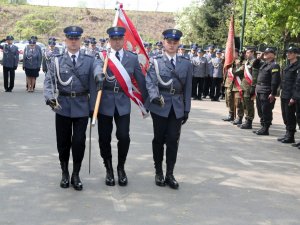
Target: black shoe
263,131
246,125
65,180
109,179
122,177
159,180
288,140
228,118
296,144
195,98
76,182
237,121
171,181
199,98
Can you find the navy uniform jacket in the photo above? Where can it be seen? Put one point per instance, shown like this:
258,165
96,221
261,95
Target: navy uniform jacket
86,69
111,100
10,56
268,78
296,91
288,82
200,67
47,56
217,68
181,102
32,59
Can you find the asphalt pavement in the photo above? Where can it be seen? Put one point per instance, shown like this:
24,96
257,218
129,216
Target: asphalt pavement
227,176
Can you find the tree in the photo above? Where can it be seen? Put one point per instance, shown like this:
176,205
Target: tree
206,23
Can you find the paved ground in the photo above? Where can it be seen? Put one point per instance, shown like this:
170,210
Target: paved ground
227,176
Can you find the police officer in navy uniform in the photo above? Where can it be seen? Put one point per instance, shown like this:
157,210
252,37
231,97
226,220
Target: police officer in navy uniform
10,63
73,74
115,105
288,106
296,99
94,50
102,46
268,81
169,83
48,53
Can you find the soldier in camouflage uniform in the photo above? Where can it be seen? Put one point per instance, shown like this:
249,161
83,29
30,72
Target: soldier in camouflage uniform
248,86
231,91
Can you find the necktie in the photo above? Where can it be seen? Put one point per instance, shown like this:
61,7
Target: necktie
118,55
73,59
172,62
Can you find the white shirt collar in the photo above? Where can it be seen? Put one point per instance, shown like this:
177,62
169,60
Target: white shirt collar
121,52
76,54
169,57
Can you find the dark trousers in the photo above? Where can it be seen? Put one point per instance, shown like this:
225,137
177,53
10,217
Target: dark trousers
70,133
207,86
215,90
166,131
8,78
105,127
197,87
264,108
288,115
298,112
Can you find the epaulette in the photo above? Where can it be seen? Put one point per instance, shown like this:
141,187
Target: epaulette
88,55
183,57
157,56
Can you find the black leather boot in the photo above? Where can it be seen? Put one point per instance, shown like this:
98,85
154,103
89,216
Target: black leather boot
170,179
247,125
237,121
109,179
65,178
122,177
282,138
228,118
159,176
264,130
296,144
290,138
75,179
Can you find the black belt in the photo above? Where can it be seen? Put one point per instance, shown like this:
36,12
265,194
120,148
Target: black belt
73,94
170,90
113,88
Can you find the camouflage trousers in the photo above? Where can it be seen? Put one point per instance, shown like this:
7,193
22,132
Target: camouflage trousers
248,108
234,102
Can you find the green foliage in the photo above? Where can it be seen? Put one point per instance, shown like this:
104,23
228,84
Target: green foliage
39,24
206,23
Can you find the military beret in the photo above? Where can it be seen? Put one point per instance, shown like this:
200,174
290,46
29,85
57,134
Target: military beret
116,31
9,37
250,48
270,50
293,49
73,31
172,34
34,37
146,44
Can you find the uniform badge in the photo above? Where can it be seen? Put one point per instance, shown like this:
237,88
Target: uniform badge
275,70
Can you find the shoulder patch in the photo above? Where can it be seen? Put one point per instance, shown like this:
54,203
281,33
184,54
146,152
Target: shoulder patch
275,70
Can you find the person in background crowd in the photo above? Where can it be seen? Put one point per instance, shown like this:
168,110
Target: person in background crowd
268,81
10,63
217,76
200,71
49,53
288,102
208,80
32,63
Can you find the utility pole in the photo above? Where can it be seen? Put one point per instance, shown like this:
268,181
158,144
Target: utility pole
243,25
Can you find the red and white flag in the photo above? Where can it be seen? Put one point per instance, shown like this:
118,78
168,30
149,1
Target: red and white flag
132,40
230,47
134,43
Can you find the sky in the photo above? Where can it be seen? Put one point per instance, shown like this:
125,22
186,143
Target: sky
139,5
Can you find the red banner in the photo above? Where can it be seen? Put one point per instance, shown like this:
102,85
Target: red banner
230,47
132,39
